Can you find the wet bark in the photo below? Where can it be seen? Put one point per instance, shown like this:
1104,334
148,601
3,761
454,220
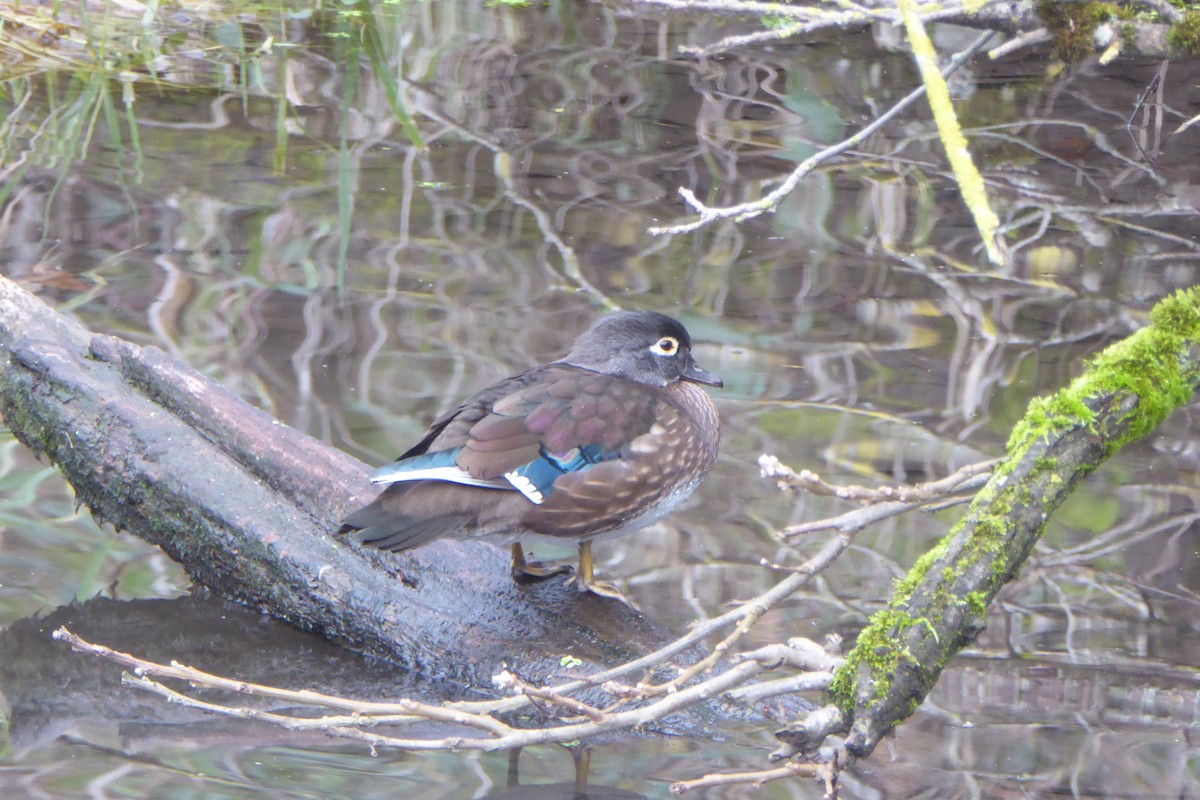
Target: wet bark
940,607
249,507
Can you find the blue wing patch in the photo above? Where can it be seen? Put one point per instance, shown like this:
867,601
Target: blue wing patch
438,466
536,479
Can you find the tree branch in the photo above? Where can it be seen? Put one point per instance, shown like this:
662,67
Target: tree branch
939,607
773,198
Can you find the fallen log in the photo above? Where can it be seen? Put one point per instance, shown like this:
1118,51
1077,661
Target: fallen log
249,506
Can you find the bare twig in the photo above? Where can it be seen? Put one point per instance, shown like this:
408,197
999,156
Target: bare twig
750,39
749,613
623,720
294,723
804,682
1151,91
499,736
141,667
508,681
799,13
1027,39
745,211
938,494
792,769
798,653
810,482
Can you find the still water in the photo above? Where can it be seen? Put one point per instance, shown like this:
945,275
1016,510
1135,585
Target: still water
256,204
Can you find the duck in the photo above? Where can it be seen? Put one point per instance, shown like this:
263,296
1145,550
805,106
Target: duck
604,442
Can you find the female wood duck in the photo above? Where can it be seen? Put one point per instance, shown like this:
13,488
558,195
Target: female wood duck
608,440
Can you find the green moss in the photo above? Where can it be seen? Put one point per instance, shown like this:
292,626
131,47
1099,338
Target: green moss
988,538
1148,364
878,646
905,586
977,603
1072,26
1180,313
1185,34
1145,364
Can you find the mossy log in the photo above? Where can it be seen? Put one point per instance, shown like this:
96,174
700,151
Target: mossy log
249,507
939,607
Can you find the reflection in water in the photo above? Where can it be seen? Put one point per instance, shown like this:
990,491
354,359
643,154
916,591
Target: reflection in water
580,789
858,333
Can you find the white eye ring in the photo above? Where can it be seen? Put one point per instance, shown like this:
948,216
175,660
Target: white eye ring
666,346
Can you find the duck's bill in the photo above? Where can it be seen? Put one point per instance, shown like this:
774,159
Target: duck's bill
698,374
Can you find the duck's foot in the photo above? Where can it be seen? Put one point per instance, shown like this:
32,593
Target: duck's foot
523,570
601,588
585,581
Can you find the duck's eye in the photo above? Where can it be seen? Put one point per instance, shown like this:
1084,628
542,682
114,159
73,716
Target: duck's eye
666,346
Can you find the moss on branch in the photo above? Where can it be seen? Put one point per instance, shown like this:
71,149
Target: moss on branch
1124,393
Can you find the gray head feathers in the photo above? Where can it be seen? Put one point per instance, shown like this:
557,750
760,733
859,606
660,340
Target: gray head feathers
641,346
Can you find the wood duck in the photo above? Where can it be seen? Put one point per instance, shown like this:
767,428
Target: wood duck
608,440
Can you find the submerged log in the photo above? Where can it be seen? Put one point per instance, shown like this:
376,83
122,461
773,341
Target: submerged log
1125,393
249,507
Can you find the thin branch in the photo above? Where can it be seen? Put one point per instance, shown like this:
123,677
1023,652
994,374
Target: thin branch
769,202
750,612
141,667
798,653
623,720
294,723
848,523
810,482
499,736
792,769
750,7
508,681
751,39
1027,39
934,495
804,682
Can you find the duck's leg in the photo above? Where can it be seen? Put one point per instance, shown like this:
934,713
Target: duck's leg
532,570
582,756
585,581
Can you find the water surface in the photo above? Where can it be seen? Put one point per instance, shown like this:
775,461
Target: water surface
262,212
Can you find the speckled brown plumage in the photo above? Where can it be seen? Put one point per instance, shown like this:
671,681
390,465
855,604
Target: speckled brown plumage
609,440
663,459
